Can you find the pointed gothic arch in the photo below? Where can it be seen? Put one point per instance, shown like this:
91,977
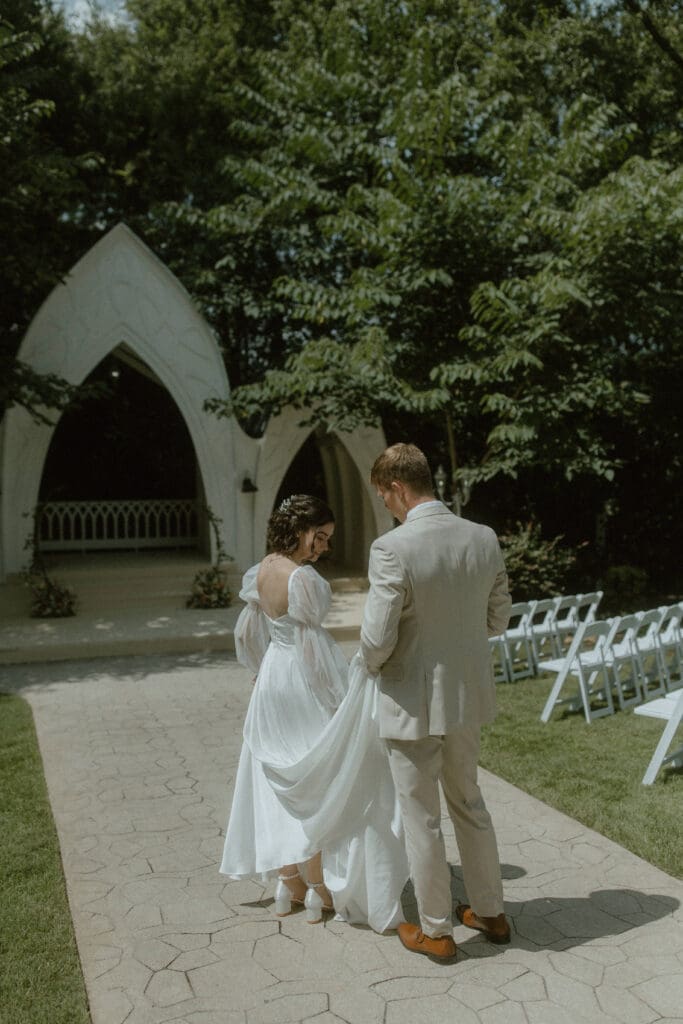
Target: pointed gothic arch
347,459
119,293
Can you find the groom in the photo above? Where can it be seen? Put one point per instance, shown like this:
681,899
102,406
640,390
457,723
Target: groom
438,590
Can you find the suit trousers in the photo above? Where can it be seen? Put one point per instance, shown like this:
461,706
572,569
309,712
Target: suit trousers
417,767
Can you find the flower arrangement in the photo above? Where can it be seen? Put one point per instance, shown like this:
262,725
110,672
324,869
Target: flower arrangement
49,599
210,586
210,590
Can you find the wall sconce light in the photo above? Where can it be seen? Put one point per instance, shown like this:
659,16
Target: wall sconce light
462,490
248,487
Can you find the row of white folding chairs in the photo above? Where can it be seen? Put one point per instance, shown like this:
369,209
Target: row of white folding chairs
535,626
635,657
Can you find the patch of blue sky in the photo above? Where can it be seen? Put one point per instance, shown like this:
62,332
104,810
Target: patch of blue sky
79,12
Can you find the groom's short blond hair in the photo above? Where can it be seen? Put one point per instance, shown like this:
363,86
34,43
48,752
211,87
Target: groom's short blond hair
405,463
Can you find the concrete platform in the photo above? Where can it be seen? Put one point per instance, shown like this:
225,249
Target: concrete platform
132,604
140,630
140,756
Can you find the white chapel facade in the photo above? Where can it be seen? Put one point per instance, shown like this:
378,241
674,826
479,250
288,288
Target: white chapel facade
121,301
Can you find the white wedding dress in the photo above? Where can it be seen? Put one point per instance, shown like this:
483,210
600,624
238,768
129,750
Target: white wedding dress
313,773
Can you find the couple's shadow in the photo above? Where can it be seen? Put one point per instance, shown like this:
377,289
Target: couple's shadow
556,922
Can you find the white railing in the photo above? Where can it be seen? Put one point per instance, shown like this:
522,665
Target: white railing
91,525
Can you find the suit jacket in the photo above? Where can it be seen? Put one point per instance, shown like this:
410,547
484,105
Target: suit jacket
438,590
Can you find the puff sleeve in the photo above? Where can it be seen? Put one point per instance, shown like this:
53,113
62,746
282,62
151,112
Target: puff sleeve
320,657
309,596
251,629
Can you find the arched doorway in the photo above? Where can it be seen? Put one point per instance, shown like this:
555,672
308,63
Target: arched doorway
323,467
335,466
131,442
305,475
121,471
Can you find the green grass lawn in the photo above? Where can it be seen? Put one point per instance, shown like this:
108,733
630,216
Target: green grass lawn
591,772
40,976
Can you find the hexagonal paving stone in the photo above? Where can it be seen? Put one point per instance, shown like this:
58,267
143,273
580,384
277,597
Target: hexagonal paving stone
430,1008
154,953
477,997
527,988
186,911
357,1005
239,984
166,988
187,940
289,1009
405,988
212,1017
585,922
578,968
507,1013
665,994
113,1006
619,1003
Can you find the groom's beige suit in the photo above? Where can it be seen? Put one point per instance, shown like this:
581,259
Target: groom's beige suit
438,590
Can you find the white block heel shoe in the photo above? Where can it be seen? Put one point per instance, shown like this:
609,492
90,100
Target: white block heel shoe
314,906
314,903
284,901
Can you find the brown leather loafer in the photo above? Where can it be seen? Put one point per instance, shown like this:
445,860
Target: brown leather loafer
442,949
496,929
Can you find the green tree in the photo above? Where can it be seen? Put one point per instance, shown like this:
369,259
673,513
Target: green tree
459,217
44,172
163,107
477,224
432,199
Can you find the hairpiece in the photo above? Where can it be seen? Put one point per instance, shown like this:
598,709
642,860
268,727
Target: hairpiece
285,505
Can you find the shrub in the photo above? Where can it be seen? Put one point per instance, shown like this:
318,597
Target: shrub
210,586
625,588
536,567
49,599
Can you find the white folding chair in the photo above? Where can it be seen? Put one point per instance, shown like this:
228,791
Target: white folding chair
587,606
499,658
559,667
670,640
592,669
670,709
541,628
518,651
647,645
580,608
621,656
585,659
566,619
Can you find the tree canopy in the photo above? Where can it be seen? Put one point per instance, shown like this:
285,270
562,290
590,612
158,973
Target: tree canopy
459,218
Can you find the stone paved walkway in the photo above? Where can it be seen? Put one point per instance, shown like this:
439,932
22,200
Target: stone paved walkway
140,754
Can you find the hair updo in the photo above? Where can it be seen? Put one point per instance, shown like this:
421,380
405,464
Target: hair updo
293,517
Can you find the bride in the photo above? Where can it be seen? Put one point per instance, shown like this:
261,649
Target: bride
314,800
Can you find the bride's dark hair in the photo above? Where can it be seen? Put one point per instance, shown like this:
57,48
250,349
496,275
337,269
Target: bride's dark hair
294,516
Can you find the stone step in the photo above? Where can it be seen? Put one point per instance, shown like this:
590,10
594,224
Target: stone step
108,583
146,629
